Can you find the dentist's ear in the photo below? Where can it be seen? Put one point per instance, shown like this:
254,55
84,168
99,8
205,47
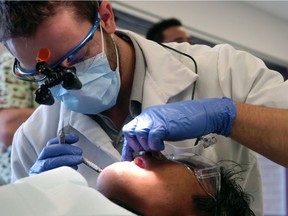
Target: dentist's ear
107,17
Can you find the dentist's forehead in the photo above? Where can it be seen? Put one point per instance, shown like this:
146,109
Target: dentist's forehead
59,34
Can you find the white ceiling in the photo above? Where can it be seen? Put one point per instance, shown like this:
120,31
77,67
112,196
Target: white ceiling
276,8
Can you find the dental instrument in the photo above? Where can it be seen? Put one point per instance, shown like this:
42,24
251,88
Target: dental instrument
86,161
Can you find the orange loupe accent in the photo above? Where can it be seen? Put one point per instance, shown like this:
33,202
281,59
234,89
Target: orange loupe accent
43,55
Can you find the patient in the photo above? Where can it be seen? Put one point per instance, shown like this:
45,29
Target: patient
181,185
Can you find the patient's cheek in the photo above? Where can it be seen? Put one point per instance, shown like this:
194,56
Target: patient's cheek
139,162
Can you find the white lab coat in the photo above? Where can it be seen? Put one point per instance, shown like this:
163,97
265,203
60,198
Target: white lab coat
59,192
222,71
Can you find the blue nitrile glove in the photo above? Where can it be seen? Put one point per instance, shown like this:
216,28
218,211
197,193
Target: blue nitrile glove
177,121
56,155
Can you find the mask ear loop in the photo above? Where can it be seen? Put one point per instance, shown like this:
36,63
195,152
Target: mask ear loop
102,38
116,51
117,68
103,47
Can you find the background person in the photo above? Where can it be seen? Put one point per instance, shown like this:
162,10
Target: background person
168,30
118,83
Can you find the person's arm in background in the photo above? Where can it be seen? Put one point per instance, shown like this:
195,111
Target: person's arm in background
10,120
264,130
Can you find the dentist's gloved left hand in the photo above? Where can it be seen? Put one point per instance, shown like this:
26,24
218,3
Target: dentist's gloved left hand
56,155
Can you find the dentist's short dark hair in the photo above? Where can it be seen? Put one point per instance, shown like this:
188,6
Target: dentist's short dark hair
22,18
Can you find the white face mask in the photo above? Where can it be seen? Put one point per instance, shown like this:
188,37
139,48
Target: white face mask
100,85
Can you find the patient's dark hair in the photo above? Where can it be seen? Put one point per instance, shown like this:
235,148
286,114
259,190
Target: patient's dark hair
155,33
232,200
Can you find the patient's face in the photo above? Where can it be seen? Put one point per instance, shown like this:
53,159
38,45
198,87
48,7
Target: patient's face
151,185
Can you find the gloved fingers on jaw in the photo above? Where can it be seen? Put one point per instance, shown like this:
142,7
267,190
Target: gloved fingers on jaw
130,126
58,150
132,141
143,130
156,140
136,133
69,139
129,135
142,139
127,153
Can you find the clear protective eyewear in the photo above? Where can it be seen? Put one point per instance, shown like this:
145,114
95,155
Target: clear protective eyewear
206,171
35,76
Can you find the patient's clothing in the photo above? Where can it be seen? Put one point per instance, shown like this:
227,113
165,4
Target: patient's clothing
61,191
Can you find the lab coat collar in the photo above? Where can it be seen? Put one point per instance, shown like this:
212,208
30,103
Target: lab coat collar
166,75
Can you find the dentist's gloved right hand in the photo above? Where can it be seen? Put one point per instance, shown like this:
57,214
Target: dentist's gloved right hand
177,121
56,155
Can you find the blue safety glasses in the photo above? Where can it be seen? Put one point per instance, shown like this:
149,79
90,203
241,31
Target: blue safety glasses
35,76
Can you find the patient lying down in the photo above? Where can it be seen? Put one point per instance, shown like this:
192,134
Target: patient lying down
181,185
